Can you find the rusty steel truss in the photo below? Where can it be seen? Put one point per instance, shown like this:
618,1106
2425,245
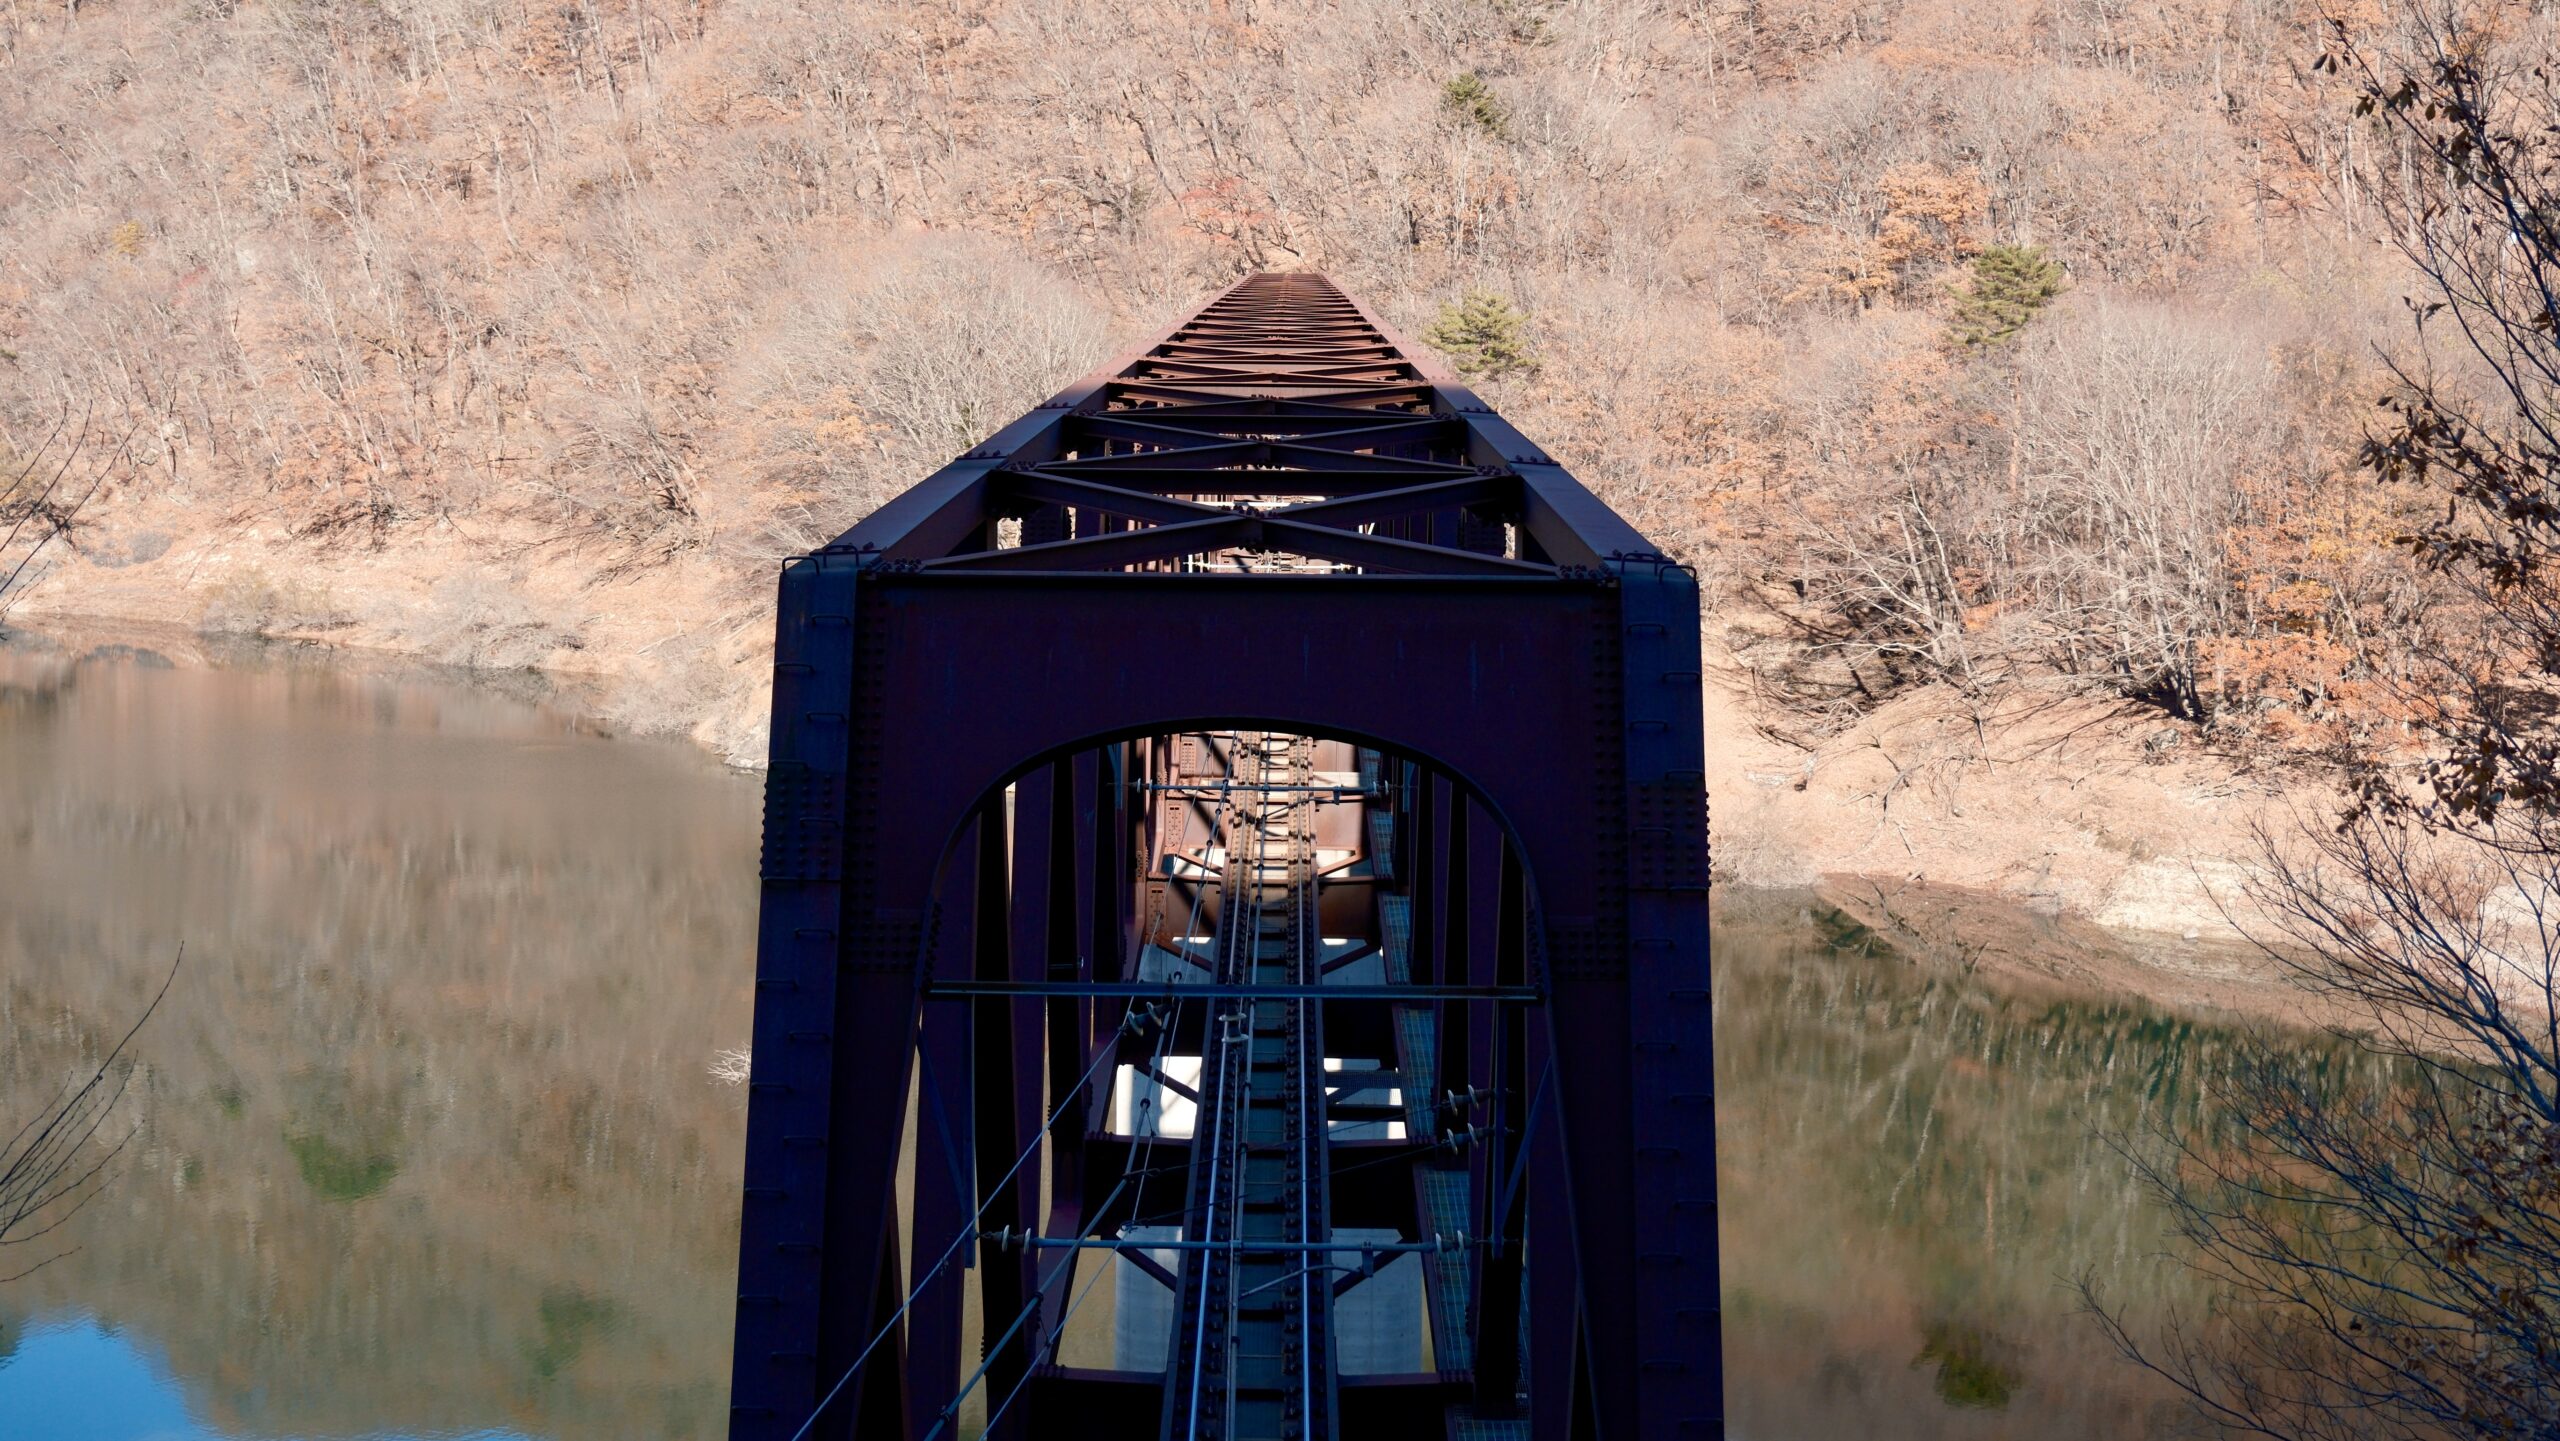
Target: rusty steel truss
1235,904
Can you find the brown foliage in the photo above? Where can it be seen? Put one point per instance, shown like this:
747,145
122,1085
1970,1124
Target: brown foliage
630,279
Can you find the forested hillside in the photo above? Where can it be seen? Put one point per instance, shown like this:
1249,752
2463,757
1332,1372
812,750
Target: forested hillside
1957,341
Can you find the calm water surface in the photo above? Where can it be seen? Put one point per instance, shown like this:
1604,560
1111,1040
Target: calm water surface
426,1144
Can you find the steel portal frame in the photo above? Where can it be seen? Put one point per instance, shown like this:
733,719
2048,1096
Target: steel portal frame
973,691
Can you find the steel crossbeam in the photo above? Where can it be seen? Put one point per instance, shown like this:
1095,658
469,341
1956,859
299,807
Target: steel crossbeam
1080,966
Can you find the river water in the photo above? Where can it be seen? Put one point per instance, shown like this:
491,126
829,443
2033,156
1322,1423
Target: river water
426,1140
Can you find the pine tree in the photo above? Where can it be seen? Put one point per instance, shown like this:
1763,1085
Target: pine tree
1469,97
2010,283
1483,336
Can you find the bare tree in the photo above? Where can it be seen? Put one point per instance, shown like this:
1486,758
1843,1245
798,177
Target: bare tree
963,337
2389,1250
2137,427
56,1162
2094,543
882,373
43,493
1885,522
2384,1239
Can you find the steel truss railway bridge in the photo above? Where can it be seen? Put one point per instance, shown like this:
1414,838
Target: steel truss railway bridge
1234,947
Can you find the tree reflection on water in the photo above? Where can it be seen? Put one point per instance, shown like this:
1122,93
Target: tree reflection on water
427,1142
1914,1165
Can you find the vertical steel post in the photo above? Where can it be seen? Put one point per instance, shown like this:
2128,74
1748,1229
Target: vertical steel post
775,1376
1676,1310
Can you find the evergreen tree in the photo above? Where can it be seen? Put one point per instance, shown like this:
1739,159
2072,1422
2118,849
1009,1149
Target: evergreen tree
1469,98
2010,284
1483,336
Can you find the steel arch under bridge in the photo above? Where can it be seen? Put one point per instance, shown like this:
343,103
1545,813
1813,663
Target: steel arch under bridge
1235,910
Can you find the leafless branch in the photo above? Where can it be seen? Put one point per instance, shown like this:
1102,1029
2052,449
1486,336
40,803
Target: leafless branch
56,1162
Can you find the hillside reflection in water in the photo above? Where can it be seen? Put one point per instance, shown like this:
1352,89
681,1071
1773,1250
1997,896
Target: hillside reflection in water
427,1145
1915,1167
427,1140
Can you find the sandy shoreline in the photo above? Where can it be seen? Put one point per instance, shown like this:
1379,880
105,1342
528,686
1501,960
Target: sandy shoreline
2063,805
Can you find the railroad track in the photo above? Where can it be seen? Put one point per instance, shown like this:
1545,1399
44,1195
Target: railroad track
1254,1351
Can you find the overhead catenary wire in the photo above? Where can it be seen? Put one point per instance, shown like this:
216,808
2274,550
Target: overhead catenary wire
1141,1173
1073,1306
968,1231
1233,921
1241,920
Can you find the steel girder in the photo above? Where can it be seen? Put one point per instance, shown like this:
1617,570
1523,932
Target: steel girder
1278,518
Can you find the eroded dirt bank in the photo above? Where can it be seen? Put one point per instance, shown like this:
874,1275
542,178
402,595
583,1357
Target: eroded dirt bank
2065,806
